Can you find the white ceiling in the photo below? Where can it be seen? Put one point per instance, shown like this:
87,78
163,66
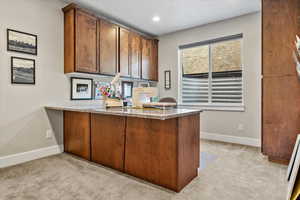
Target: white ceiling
175,14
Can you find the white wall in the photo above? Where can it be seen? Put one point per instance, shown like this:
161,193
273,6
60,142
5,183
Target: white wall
224,123
23,120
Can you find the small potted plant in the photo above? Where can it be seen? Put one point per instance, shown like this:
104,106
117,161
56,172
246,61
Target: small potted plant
106,91
109,96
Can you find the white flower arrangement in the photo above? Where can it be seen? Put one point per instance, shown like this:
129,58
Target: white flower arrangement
296,56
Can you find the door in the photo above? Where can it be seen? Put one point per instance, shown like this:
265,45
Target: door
77,134
135,55
151,150
86,42
124,53
280,26
108,140
281,116
154,61
146,59
109,38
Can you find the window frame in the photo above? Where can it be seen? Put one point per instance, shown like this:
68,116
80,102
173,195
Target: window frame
210,105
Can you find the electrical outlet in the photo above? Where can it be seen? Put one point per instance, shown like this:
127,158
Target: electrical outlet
241,127
49,134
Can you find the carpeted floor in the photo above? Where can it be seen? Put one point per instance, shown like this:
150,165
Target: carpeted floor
230,172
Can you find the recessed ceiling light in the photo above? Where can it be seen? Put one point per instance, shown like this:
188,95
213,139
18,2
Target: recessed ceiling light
156,18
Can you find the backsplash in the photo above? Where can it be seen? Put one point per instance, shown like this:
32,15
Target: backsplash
106,79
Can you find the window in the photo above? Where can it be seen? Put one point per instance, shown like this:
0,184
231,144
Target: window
211,72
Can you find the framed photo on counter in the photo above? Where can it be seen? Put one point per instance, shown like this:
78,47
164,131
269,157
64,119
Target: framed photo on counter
127,89
81,88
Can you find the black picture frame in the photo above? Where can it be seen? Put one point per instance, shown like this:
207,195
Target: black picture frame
10,48
128,83
168,79
13,71
72,88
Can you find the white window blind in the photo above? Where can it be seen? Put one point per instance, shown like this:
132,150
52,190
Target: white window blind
212,72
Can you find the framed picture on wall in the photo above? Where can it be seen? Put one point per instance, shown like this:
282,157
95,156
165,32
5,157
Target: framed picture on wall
21,42
22,71
81,88
167,79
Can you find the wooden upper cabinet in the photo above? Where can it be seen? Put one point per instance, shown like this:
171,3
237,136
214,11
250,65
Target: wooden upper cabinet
149,59
146,58
80,41
94,45
154,61
124,67
135,55
108,51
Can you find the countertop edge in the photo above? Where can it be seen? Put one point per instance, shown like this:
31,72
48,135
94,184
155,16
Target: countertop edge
145,116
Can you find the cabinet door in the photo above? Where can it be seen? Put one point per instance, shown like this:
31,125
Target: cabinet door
124,53
279,29
86,42
151,150
146,58
135,55
154,61
109,38
108,140
77,134
281,116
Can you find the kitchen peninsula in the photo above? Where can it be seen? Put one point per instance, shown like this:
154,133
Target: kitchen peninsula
159,146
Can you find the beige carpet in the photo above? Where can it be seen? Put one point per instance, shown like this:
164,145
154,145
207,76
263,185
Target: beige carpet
236,173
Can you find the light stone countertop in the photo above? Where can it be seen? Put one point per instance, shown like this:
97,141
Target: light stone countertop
148,113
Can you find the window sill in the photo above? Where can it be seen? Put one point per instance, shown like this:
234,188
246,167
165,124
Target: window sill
214,108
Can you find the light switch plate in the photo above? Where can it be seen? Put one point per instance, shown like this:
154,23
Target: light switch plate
49,134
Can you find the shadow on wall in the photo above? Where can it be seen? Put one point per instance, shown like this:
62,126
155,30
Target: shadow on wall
57,125
29,132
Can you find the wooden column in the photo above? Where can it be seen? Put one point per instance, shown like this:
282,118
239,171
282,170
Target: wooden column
281,86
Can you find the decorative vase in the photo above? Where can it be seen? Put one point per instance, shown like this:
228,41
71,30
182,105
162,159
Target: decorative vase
104,100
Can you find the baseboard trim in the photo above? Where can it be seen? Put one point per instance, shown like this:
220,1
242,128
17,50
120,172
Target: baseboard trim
7,161
231,139
278,160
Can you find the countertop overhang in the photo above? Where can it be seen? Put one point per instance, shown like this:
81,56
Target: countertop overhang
148,113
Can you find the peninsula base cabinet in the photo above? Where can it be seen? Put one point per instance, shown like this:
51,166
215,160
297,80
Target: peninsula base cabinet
163,152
